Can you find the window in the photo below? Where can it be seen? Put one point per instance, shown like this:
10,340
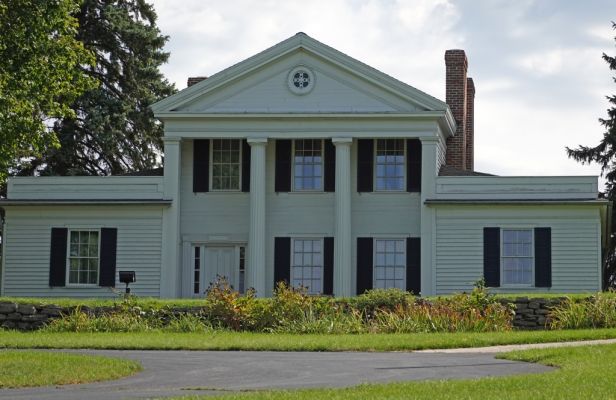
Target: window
308,165
307,264
389,171
226,156
83,259
517,258
390,264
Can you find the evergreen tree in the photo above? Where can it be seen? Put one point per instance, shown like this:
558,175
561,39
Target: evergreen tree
605,155
114,131
39,75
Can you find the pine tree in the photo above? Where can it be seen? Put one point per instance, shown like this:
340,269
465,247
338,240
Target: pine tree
114,130
605,155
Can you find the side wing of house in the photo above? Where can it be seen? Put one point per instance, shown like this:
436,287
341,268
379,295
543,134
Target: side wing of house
521,234
69,237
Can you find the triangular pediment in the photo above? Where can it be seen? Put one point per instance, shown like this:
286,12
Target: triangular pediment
260,84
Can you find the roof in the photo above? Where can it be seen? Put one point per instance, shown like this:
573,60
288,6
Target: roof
168,106
448,170
147,172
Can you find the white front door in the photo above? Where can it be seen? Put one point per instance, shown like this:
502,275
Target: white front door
220,262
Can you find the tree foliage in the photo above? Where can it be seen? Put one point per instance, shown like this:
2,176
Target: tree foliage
605,155
39,75
113,130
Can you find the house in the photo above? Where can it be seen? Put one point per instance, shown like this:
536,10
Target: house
302,164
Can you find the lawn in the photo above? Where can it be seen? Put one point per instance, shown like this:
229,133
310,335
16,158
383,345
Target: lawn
31,368
586,372
288,342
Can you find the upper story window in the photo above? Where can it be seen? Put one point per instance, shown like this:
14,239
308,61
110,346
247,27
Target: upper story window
83,259
390,165
517,258
226,162
308,164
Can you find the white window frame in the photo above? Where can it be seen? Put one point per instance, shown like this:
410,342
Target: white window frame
68,258
320,189
292,262
502,257
374,251
211,167
374,165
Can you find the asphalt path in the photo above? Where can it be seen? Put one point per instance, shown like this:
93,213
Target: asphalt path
174,373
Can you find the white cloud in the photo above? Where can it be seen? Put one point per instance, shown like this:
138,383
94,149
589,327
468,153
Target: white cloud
536,64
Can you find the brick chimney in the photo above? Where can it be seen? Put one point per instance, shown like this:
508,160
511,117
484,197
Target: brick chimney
195,79
456,97
470,124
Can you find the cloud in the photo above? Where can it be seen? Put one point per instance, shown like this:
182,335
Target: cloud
536,64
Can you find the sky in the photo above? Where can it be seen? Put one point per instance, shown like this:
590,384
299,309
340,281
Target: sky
539,77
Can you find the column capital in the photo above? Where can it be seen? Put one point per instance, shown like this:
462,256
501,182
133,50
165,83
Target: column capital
429,140
342,140
172,139
257,141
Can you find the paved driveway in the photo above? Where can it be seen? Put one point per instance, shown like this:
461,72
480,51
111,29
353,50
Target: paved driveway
168,373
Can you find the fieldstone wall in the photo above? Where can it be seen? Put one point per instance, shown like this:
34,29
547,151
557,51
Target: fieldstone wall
530,314
534,313
27,317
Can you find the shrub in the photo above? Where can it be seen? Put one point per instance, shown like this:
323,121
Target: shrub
598,311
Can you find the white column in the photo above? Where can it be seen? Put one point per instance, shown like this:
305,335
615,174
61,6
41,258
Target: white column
255,270
342,241
170,264
428,221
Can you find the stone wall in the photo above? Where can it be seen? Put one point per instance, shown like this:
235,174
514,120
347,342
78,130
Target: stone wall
530,314
27,317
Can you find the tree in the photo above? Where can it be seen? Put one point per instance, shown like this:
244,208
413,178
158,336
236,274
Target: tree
113,130
39,75
605,155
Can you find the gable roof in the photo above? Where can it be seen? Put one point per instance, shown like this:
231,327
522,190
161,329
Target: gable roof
306,43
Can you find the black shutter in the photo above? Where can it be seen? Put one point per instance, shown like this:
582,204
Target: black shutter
328,265
365,159
329,158
57,257
245,166
364,264
413,165
413,265
109,238
543,257
282,260
491,256
201,165
283,166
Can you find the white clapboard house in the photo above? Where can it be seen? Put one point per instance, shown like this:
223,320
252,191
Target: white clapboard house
302,164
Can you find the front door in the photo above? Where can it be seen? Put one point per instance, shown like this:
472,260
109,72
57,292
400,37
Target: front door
220,262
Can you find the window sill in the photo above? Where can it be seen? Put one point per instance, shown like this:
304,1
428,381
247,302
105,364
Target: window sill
81,285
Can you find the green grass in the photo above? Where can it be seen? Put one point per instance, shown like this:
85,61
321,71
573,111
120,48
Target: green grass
31,368
288,342
586,372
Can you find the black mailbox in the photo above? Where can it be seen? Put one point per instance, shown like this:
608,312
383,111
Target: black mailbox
128,277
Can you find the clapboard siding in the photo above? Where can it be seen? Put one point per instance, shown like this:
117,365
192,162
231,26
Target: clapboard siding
220,217
86,187
575,245
28,238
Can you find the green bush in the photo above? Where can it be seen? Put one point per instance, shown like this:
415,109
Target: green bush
293,310
598,311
